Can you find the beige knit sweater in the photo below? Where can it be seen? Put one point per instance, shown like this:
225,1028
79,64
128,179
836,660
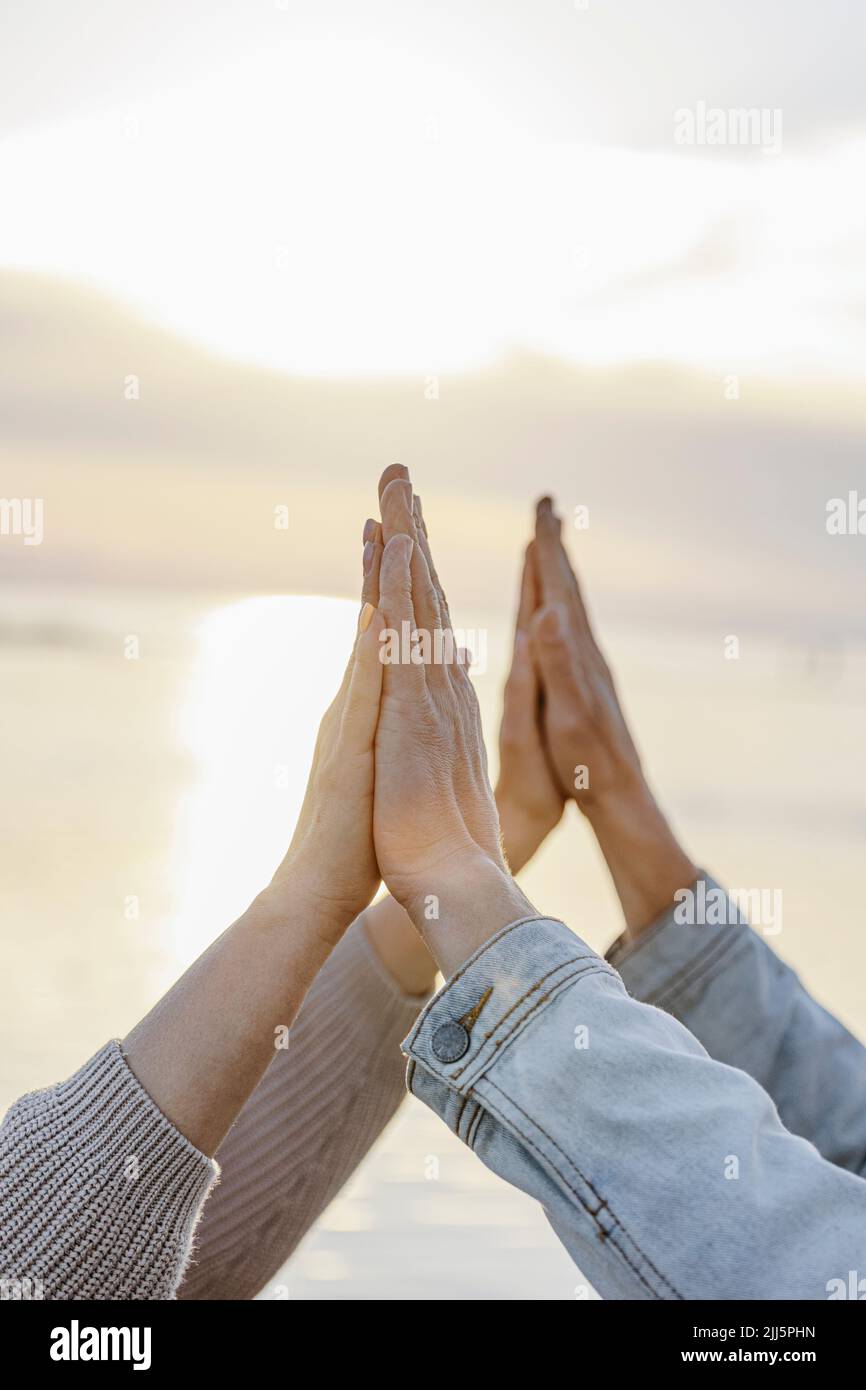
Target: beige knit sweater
100,1195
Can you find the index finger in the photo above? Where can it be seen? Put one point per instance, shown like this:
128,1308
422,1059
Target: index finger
397,608
554,577
424,542
557,580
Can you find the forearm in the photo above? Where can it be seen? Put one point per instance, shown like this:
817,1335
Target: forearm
203,1048
322,1103
399,947
644,858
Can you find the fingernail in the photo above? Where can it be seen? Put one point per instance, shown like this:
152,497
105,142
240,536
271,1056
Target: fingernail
551,623
368,556
544,506
366,617
369,530
398,487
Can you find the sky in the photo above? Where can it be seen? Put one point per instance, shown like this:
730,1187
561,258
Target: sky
407,188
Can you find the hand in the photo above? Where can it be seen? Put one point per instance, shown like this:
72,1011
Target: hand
202,1050
399,947
435,824
591,749
528,795
331,863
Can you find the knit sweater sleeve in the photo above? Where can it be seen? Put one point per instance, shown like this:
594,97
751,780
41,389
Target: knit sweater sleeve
99,1192
316,1112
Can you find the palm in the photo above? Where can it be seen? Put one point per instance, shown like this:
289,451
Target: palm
411,832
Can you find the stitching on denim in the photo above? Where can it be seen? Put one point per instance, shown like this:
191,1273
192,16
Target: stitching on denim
603,1202
518,1024
498,1024
593,1215
671,1001
719,943
698,968
460,1114
592,965
538,983
475,1125
473,1122
524,922
589,969
432,1004
470,1018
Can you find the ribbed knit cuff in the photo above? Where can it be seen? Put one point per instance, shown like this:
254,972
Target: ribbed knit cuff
99,1192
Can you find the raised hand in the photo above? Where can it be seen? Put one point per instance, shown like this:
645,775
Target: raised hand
202,1050
528,794
592,752
331,859
590,747
435,823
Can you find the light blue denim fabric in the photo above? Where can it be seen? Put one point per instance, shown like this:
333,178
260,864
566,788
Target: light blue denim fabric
750,1010
666,1174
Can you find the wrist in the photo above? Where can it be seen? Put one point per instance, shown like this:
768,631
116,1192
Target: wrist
627,798
471,903
522,831
297,900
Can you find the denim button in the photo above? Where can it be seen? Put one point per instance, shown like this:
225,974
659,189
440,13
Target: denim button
450,1041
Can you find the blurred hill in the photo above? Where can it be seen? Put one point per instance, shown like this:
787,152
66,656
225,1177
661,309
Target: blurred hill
701,508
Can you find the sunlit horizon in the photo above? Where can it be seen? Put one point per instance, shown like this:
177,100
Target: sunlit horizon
346,209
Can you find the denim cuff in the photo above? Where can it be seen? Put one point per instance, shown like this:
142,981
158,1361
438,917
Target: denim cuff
672,961
491,999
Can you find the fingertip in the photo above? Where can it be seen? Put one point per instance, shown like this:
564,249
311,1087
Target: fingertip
398,487
371,624
399,547
393,471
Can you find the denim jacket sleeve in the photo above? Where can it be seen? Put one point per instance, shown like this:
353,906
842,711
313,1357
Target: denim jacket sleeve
666,1175
749,1010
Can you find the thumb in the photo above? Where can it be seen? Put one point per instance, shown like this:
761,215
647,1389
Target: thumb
520,697
361,710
